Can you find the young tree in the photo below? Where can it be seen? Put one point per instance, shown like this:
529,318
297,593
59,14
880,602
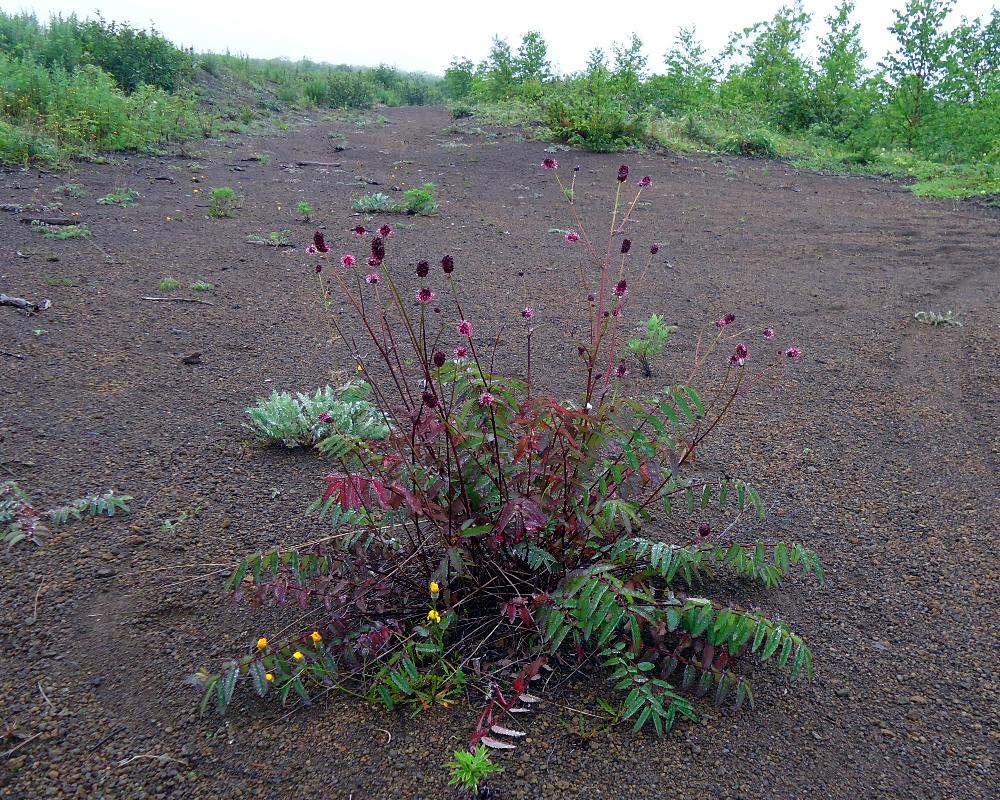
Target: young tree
459,78
919,63
690,78
532,61
769,71
630,67
498,70
840,101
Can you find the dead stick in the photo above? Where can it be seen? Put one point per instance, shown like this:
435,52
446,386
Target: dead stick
19,745
179,300
17,302
18,356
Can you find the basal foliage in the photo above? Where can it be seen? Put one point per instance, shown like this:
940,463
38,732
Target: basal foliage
498,532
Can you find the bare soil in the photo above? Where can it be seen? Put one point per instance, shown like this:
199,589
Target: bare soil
879,451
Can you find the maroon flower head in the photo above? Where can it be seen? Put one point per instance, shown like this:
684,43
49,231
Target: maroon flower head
550,163
621,371
320,241
423,268
461,351
373,262
572,236
372,278
439,359
448,265
485,399
623,173
617,313
465,328
424,295
347,260
741,350
385,231
626,245
528,312
430,399
311,250
326,416
590,297
654,249
378,248
793,352
645,181
359,230
768,333
621,288
704,530
319,268
726,321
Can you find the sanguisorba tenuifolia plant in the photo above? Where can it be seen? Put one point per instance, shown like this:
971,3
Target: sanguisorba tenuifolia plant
494,513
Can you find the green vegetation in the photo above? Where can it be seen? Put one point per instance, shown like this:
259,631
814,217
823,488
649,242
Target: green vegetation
469,769
223,202
420,200
62,232
930,110
169,284
202,286
305,210
651,343
72,88
126,198
282,238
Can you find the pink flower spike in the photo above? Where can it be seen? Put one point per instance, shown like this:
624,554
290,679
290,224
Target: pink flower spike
621,289
726,321
621,371
373,262
347,260
485,399
793,352
372,278
528,312
645,181
572,236
461,351
768,333
465,328
550,163
424,295
385,231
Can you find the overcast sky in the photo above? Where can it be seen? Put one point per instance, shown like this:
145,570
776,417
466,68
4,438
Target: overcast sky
426,35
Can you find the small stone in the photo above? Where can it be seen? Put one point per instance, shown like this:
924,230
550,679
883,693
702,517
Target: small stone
104,572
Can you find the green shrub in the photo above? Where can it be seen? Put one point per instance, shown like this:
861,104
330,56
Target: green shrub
222,202
126,198
603,127
374,203
752,144
169,284
651,343
421,200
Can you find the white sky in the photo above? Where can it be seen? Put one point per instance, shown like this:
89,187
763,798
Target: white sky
423,35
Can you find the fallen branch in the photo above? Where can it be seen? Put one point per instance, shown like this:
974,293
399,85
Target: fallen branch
18,302
19,745
179,300
164,759
265,243
49,220
18,356
315,164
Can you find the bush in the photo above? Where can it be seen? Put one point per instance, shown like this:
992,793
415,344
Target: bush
603,127
752,144
547,518
303,420
223,202
421,200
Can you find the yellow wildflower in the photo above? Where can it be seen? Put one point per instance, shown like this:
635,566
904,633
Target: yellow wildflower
316,636
433,615
196,190
435,588
268,676
297,655
262,643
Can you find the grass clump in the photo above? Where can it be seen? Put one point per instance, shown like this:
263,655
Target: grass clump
62,232
281,238
304,420
169,284
202,286
418,200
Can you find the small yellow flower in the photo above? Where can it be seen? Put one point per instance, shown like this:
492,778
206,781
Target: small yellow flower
316,636
360,368
435,588
262,643
196,190
433,615
297,655
268,676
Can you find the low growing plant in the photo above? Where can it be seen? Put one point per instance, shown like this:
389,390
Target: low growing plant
282,238
126,198
202,286
94,505
19,520
936,318
222,202
651,344
469,769
304,420
169,284
421,200
62,232
503,528
305,211
373,203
